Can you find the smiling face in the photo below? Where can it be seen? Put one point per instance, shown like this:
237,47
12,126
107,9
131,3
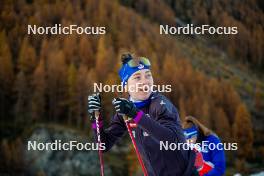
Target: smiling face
140,84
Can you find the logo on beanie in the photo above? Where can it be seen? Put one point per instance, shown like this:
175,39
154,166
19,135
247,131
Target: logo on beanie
140,66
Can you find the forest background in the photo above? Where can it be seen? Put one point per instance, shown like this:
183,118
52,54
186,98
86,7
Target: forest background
45,79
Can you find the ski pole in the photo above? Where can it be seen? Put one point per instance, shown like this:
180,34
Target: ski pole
133,141
96,113
135,145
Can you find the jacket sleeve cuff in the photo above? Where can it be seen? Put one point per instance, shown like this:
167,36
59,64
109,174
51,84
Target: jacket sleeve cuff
138,116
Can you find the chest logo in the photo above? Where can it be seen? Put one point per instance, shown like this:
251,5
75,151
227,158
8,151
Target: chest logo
145,133
162,102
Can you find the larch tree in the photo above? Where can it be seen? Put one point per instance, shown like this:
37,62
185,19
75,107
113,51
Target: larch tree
72,94
85,52
39,92
70,49
221,125
27,57
102,59
22,96
242,131
6,74
57,84
82,94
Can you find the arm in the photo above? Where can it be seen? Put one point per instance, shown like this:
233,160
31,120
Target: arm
110,135
166,127
218,160
116,129
163,126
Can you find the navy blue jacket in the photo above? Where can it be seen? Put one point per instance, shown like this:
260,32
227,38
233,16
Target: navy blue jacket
159,122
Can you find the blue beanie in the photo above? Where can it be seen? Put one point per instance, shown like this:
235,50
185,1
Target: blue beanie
126,71
191,132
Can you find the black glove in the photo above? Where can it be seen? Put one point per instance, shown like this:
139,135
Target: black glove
125,107
94,104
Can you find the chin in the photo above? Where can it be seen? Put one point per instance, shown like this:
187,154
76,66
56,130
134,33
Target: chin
143,95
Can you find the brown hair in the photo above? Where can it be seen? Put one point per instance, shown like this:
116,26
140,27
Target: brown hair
190,121
126,57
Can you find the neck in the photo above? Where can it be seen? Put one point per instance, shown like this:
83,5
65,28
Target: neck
141,103
135,100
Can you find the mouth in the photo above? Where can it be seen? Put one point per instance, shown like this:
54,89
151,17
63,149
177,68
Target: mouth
143,89
140,89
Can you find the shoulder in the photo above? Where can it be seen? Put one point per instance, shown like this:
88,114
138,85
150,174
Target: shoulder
160,103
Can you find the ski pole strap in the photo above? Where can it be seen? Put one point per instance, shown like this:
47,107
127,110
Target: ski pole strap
138,116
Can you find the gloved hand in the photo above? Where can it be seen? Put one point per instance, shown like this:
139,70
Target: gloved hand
94,104
125,107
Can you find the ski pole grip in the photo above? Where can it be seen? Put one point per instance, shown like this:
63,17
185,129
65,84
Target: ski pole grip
125,117
96,114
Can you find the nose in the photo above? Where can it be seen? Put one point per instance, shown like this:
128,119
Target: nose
145,81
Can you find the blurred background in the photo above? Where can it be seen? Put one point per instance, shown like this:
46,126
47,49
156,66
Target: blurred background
45,79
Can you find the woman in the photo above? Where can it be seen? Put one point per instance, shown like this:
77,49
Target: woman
156,117
214,160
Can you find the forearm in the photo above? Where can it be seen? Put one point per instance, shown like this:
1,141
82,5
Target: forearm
110,135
